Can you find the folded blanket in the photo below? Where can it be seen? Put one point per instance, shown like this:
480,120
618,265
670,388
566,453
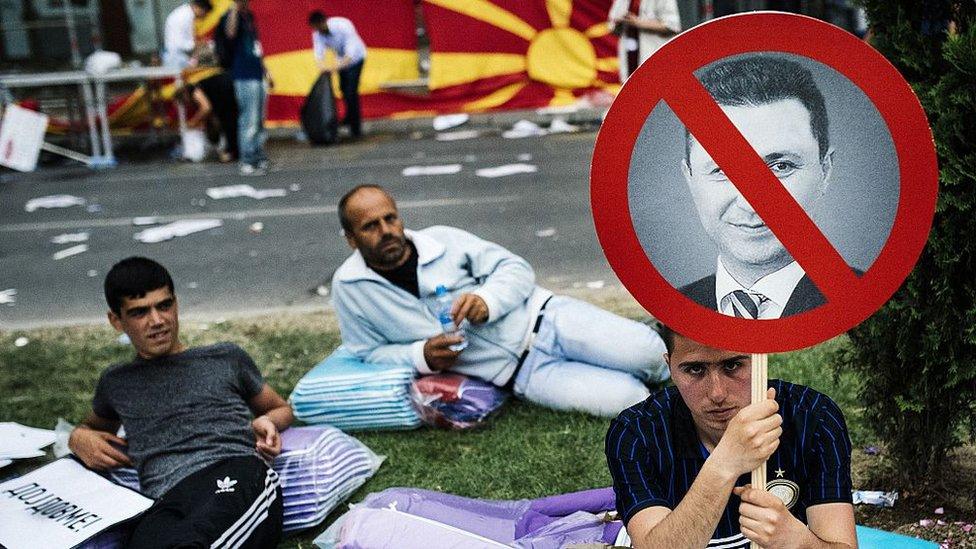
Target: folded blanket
350,394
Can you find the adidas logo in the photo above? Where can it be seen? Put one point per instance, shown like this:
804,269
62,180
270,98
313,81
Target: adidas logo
225,485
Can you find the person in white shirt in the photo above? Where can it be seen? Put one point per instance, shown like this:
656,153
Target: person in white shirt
179,38
644,26
339,35
776,105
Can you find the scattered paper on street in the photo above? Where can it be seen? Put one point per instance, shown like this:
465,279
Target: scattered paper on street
236,191
446,169
21,342
70,238
507,169
145,220
545,233
177,228
595,284
524,128
53,201
560,109
458,135
448,121
8,297
559,125
68,252
20,441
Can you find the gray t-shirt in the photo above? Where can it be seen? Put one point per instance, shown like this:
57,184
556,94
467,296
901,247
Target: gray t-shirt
181,412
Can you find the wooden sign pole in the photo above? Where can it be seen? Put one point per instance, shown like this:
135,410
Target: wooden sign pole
760,376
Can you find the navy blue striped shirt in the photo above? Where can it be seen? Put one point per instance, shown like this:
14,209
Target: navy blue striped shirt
654,455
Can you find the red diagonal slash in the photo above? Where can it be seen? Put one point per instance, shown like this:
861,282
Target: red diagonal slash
764,191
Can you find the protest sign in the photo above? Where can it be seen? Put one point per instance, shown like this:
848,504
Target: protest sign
21,137
61,505
764,190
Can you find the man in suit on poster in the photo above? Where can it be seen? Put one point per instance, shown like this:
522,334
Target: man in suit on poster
776,105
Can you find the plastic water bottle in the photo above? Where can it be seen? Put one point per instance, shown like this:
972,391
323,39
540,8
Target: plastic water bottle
447,321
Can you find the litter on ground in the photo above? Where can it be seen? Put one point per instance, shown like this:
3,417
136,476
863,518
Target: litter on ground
507,169
559,125
177,228
524,128
445,169
145,220
8,296
458,135
53,201
448,121
68,252
237,191
70,238
875,497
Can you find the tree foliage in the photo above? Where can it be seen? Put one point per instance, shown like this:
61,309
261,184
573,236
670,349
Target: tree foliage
917,355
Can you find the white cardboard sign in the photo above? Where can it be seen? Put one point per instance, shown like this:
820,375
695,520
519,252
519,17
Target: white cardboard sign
61,505
21,137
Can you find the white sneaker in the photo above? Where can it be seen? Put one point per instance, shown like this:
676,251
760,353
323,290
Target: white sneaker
247,170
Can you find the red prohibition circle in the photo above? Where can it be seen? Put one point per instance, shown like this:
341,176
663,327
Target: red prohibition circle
668,76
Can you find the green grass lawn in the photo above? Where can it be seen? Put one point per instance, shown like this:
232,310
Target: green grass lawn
524,452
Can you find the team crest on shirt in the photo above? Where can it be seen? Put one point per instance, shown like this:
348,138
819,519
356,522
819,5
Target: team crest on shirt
225,485
785,489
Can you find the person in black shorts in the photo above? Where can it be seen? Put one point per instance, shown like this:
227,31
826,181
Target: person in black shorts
201,424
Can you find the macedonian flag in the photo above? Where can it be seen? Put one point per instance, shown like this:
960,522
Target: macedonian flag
484,55
510,54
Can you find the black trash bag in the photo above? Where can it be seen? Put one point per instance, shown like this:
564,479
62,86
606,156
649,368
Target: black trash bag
319,119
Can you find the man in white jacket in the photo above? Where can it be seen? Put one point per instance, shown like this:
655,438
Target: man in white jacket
554,351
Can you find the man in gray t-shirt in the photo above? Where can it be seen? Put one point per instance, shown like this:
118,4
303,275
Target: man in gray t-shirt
201,424
181,412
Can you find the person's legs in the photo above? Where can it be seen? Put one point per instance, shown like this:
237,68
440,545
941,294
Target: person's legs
584,358
580,332
246,93
160,527
233,503
225,108
349,84
262,134
575,386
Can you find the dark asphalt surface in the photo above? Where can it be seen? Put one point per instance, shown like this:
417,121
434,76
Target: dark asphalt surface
230,270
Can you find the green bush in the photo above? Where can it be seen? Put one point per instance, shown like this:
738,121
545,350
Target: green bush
917,355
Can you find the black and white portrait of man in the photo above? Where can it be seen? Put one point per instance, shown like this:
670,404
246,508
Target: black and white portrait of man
815,132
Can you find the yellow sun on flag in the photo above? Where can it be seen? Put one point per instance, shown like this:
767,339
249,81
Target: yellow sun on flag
561,56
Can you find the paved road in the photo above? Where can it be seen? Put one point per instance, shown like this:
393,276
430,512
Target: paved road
230,270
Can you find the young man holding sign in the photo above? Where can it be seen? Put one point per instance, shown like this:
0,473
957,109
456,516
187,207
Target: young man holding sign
200,422
680,460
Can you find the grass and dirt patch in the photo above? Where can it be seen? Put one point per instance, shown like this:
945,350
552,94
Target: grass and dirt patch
523,452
